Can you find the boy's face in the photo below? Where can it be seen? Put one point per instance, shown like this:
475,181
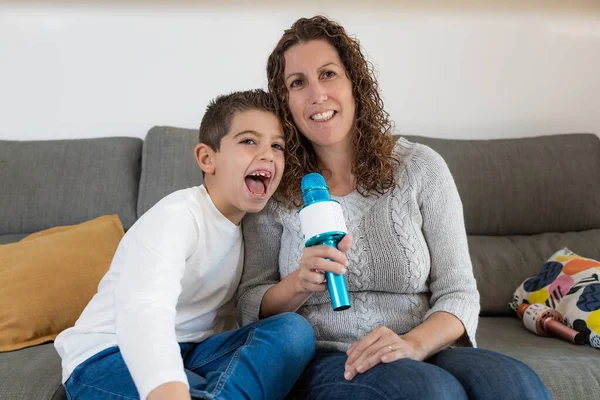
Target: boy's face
247,169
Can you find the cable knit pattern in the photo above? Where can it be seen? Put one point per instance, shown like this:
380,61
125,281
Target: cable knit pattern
408,260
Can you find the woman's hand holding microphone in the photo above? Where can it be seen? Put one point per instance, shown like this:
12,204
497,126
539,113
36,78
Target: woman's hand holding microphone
310,276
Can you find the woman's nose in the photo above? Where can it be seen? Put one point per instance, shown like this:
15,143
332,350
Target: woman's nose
318,93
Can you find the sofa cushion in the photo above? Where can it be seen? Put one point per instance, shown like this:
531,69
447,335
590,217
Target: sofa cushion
501,263
569,371
15,237
65,182
525,186
168,164
31,373
51,277
569,284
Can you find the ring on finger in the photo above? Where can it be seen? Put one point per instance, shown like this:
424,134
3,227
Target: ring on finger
392,349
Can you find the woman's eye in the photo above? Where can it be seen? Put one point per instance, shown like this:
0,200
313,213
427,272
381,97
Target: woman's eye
278,146
328,74
296,83
248,141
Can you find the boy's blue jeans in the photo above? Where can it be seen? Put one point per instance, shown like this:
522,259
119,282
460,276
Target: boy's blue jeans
259,361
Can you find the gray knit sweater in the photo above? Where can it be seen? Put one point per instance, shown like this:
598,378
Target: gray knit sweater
409,256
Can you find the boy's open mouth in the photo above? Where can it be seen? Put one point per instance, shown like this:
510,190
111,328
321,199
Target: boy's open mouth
258,181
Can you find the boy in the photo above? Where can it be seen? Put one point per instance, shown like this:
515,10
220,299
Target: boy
157,328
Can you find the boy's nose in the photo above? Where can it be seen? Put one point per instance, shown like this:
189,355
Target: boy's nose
267,154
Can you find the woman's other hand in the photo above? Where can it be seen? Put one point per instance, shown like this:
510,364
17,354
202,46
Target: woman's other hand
381,345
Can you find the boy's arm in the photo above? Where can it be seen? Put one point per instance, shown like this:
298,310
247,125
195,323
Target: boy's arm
170,391
146,297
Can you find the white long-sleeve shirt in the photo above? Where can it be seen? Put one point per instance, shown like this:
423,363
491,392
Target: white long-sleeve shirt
172,280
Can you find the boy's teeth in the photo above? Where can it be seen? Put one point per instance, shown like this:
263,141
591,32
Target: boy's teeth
265,174
322,116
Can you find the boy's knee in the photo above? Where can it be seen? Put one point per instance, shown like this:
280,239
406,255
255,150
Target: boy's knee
294,334
296,325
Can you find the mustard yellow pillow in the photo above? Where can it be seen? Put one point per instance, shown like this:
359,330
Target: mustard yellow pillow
47,279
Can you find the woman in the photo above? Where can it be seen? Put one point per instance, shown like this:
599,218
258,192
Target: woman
408,270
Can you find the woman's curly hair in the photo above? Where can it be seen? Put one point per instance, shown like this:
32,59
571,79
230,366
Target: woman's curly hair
373,166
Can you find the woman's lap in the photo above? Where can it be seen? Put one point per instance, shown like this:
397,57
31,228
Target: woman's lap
403,379
489,375
457,373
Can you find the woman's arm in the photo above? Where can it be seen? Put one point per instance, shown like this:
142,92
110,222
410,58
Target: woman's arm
262,238
261,293
454,300
436,333
309,278
384,345
451,281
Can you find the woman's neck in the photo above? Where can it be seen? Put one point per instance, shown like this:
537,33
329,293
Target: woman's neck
337,164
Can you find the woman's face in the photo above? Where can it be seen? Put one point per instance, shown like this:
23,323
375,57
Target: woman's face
319,93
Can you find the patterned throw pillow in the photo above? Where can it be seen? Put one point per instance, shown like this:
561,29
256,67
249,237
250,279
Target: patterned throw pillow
569,284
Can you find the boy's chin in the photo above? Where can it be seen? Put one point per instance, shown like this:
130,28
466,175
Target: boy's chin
255,202
256,206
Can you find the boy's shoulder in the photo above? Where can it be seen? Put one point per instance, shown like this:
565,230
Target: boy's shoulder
180,202
170,227
183,197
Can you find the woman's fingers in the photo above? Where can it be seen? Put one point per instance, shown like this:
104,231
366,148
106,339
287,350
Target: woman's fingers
379,345
315,262
324,258
332,253
311,280
325,265
357,348
345,243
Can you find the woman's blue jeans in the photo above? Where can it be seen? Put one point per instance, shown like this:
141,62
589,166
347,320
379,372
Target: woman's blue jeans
259,361
458,373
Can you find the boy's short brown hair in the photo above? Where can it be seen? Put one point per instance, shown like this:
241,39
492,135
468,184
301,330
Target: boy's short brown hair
220,112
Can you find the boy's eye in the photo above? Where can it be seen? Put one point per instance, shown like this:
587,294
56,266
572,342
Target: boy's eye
248,141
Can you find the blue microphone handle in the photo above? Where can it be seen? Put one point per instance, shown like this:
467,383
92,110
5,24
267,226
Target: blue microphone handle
338,291
322,222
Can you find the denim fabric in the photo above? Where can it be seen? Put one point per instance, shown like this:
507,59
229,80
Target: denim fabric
459,373
259,361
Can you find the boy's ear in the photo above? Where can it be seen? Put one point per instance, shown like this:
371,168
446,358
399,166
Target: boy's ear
205,157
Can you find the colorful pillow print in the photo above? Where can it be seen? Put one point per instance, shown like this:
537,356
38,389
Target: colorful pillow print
569,284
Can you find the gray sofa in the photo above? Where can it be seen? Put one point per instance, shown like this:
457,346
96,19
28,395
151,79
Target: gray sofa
523,200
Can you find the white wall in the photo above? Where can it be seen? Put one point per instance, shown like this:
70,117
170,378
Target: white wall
461,69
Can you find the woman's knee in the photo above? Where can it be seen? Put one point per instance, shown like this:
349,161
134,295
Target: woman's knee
486,374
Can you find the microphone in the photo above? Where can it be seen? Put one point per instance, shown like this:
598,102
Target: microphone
322,222
545,321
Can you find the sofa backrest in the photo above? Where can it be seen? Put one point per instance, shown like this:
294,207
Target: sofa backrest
525,186
524,199
168,164
62,182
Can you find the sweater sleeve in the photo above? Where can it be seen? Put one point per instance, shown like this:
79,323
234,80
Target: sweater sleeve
451,281
146,295
262,241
